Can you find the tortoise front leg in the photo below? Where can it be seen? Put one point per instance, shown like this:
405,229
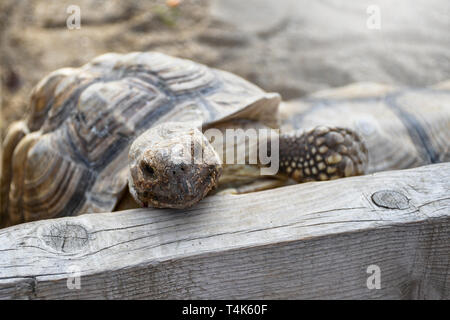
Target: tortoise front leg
323,153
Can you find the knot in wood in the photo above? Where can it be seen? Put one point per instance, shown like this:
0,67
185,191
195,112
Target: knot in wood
390,199
67,238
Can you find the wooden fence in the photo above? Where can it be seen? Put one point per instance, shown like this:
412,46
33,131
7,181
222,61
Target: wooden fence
328,240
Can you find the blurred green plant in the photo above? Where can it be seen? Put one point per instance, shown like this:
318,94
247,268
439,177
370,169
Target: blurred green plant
168,13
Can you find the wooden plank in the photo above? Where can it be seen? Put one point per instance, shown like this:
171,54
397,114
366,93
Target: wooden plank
314,240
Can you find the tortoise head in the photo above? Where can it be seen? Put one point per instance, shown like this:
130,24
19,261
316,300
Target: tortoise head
172,166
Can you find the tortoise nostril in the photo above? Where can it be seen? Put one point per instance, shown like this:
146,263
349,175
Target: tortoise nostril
147,169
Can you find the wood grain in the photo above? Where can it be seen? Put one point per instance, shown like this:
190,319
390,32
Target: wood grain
307,241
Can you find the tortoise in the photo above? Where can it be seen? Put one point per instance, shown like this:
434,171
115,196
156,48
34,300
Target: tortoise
92,131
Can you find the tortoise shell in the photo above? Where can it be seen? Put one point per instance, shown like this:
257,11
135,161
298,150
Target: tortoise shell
82,121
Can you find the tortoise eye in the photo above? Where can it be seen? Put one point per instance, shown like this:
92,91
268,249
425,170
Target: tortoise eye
147,169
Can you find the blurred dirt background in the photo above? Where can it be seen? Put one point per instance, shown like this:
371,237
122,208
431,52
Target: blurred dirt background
293,47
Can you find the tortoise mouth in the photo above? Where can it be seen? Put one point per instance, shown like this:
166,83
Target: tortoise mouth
163,201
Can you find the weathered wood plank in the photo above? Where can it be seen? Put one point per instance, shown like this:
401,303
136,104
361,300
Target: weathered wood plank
314,240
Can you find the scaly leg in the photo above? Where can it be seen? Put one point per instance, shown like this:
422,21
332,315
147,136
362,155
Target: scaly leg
323,153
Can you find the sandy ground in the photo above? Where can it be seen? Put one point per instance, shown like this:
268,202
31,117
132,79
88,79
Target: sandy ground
294,47
35,40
